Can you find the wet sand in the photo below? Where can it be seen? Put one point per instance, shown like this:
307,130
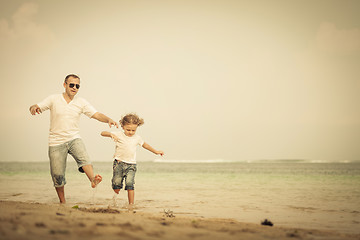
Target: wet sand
36,221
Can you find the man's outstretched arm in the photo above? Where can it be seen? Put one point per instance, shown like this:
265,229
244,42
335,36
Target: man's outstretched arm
105,119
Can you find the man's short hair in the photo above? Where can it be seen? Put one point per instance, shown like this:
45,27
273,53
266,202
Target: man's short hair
71,75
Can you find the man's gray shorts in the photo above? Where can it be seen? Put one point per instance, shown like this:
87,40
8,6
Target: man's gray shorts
58,155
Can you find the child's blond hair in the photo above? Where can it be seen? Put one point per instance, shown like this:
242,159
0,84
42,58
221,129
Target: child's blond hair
131,118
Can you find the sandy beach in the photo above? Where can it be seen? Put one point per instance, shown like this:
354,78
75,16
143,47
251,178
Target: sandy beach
21,220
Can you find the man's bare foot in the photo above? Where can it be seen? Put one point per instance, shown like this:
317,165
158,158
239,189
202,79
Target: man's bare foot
97,179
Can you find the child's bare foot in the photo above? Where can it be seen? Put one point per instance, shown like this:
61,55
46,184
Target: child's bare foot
97,179
131,208
114,203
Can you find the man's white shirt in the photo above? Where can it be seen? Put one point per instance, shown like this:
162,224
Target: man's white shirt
65,117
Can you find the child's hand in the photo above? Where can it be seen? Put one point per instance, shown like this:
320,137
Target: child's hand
115,138
160,153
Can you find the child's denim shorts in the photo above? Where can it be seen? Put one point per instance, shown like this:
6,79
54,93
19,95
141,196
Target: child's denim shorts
121,171
58,155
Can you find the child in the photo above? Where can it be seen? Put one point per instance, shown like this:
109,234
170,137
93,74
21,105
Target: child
124,166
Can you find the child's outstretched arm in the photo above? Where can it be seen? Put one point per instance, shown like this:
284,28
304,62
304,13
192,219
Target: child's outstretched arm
151,149
109,134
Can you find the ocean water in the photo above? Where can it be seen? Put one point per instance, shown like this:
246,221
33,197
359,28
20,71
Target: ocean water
288,193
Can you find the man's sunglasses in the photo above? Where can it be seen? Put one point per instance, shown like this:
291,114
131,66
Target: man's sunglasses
71,85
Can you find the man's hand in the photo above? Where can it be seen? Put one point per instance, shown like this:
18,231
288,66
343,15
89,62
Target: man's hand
113,123
35,109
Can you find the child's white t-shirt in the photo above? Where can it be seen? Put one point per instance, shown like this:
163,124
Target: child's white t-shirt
65,117
125,149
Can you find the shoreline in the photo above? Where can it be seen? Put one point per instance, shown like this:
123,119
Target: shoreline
21,220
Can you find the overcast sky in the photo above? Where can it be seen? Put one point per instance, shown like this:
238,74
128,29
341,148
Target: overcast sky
232,80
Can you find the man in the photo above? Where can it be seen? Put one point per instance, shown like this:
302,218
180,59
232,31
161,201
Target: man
64,138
